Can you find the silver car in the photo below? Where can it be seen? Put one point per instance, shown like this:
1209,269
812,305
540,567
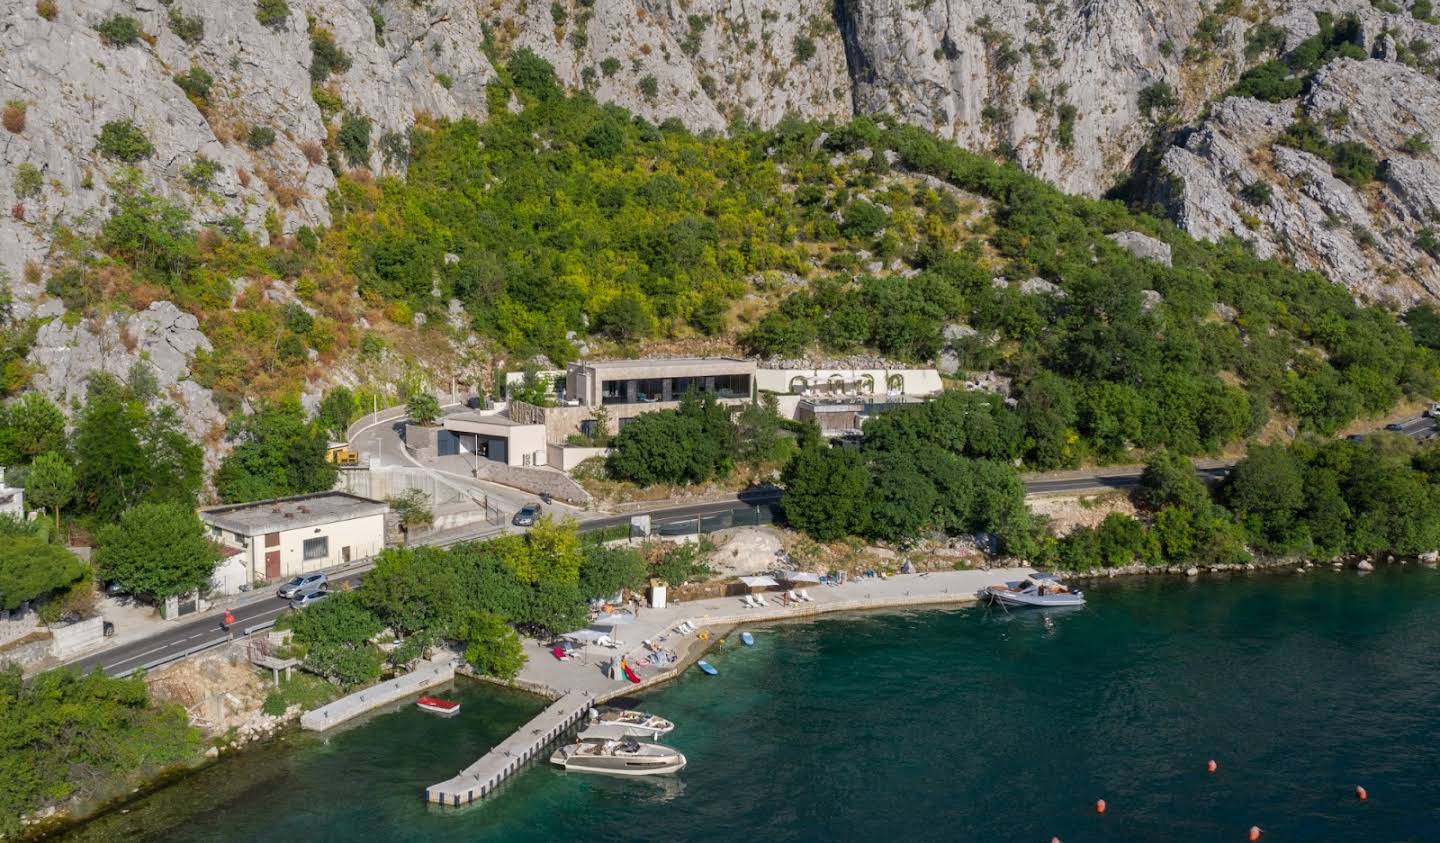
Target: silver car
308,598
302,584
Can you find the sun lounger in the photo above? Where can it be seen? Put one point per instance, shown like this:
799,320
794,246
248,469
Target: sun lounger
760,601
749,601
804,594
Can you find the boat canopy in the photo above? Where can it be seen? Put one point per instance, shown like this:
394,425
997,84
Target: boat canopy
759,582
606,732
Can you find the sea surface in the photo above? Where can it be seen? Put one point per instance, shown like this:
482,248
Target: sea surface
960,724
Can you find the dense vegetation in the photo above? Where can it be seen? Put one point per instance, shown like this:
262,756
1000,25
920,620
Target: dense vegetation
65,734
476,593
1311,499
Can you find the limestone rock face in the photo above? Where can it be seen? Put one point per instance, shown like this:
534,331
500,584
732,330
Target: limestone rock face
1143,246
162,336
1362,236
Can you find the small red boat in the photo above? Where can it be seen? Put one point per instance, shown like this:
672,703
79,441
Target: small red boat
437,705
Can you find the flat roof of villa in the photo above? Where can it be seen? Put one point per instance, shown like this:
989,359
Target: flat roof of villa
481,418
253,519
660,361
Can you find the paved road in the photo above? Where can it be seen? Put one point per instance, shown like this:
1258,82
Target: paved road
183,636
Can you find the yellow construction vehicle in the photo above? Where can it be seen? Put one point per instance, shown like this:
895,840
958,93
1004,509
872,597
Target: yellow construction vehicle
340,454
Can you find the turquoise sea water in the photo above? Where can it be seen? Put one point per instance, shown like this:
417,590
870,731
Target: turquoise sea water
947,724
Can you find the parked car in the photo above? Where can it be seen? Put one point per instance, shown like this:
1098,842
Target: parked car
1433,411
1356,437
114,588
527,516
302,584
308,598
1395,426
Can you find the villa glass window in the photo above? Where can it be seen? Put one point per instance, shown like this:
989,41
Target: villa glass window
612,392
649,389
732,386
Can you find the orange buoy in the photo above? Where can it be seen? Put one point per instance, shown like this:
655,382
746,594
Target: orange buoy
1099,806
1254,833
1360,793
1212,766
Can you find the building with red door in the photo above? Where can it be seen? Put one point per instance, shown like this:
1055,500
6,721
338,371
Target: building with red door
280,538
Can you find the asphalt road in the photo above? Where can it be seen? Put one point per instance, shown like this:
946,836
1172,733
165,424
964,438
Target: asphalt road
185,635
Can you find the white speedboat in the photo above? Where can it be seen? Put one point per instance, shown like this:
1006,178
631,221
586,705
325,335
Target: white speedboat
618,757
635,723
1036,590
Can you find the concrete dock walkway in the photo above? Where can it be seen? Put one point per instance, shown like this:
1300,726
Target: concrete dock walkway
427,675
529,741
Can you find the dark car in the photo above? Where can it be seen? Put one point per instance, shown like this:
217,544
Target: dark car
527,516
1395,426
1356,437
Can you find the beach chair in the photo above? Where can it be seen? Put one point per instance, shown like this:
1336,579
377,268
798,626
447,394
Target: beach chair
760,601
748,601
804,594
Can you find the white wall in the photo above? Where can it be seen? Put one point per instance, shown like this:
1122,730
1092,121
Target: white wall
917,381
365,536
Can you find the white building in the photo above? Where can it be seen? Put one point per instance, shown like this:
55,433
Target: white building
271,540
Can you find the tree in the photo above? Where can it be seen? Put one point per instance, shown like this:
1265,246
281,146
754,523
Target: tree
688,445
31,567
413,509
607,571
826,492
50,483
336,634
1170,480
1048,407
1266,493
902,500
491,646
30,425
158,549
127,453
757,430
414,589
337,409
278,454
423,408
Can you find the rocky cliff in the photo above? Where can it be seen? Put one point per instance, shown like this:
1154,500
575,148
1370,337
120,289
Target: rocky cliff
241,101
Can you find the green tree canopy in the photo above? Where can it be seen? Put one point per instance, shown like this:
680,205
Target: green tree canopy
423,408
606,571
277,454
491,646
30,425
826,492
50,483
157,549
31,567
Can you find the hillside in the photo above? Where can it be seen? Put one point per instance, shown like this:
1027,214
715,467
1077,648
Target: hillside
263,199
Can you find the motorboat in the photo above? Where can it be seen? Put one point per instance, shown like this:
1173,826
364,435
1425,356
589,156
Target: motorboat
747,639
707,667
625,756
436,705
636,723
1036,590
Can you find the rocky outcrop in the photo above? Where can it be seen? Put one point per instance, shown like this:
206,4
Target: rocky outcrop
1143,246
1231,178
162,337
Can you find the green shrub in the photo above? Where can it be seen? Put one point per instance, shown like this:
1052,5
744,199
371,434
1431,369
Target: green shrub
28,181
124,141
863,219
202,172
354,139
326,57
1257,192
445,81
196,83
1065,128
649,86
190,29
804,48
1354,163
1157,101
532,74
327,101
272,13
1422,10
1270,82
378,21
120,30
1417,144
260,137
609,65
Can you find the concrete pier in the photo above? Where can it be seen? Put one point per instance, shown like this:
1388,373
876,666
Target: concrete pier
509,756
427,675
